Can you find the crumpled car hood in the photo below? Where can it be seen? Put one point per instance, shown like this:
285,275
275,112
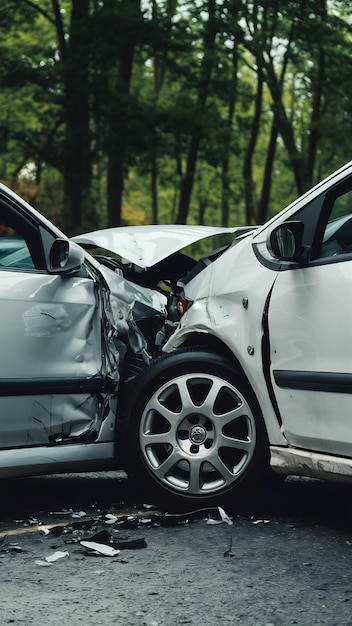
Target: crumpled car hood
146,246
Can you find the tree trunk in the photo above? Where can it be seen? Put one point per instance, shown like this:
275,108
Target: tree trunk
262,215
247,164
197,133
225,163
117,140
315,118
285,126
77,151
201,211
154,189
188,177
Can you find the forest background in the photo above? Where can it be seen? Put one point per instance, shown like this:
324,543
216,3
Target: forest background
214,112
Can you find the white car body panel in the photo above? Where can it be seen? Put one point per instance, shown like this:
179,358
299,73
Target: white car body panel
313,464
230,296
146,246
309,319
46,317
304,315
39,459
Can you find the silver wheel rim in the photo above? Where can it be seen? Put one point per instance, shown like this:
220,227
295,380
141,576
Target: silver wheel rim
197,434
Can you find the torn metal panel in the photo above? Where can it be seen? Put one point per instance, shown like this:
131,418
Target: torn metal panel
148,245
313,464
51,419
126,303
61,372
52,327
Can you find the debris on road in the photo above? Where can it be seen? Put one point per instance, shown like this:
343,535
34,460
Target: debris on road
99,548
11,547
223,518
60,554
80,514
92,534
110,518
229,552
129,544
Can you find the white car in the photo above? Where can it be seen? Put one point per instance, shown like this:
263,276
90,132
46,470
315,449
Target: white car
258,373
72,327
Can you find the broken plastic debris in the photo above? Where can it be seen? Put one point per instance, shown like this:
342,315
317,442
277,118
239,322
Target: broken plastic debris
224,518
132,544
11,548
99,548
229,551
56,531
56,555
49,560
79,514
261,521
84,523
110,518
104,537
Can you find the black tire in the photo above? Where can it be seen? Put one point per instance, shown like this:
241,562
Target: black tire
194,433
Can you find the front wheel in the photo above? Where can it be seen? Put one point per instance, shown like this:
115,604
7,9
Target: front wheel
195,435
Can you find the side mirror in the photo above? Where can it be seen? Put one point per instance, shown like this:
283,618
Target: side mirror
285,241
65,257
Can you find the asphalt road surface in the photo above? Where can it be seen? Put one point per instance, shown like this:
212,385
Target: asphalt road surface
285,558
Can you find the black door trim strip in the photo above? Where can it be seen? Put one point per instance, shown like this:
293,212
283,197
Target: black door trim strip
330,382
48,386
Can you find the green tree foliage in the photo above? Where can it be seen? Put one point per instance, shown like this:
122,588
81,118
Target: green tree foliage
202,111
30,98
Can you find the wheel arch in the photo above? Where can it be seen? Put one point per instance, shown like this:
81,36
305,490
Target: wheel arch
214,344
198,341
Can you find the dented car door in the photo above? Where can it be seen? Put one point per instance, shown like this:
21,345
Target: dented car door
55,370
51,376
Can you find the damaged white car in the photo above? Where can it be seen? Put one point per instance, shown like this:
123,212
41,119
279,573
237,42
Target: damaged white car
259,370
72,328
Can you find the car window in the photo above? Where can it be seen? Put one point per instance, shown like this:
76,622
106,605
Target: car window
337,237
14,252
20,244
